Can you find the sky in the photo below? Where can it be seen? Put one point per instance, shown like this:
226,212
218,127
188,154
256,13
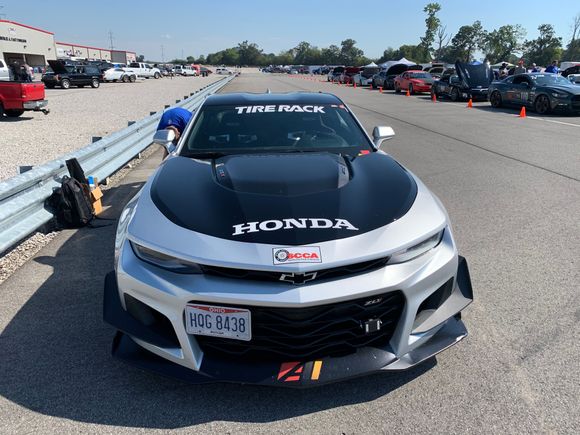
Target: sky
178,27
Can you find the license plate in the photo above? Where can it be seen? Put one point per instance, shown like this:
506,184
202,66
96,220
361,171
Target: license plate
224,322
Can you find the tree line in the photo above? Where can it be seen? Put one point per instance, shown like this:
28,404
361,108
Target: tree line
506,43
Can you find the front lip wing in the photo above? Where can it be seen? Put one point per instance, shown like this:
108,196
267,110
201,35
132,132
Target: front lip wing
296,374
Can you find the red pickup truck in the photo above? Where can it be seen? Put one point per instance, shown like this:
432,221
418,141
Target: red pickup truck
17,97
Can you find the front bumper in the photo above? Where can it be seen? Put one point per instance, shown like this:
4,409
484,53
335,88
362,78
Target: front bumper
477,94
137,344
422,88
567,104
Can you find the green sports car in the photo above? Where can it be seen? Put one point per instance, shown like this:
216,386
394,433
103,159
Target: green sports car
539,91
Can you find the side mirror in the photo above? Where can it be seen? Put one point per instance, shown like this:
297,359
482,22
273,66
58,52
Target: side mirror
381,134
165,138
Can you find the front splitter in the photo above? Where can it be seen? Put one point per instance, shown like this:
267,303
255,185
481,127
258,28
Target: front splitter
296,374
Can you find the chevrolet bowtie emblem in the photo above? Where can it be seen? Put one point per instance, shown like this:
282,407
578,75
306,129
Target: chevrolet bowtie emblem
298,278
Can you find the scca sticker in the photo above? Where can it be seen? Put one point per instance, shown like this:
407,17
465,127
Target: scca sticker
279,108
297,254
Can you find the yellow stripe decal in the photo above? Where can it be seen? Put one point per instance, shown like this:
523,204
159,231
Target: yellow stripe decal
316,370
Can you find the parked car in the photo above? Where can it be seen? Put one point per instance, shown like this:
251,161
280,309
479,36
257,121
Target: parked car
571,70
226,71
119,74
365,76
144,70
540,91
413,81
4,71
18,97
384,80
66,76
185,70
348,73
204,72
464,82
310,258
334,74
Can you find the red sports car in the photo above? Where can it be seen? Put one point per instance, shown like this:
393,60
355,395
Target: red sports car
414,81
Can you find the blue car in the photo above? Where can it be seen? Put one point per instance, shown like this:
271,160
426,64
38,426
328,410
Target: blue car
539,91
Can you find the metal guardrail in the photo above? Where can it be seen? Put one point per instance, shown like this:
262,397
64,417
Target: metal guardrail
22,197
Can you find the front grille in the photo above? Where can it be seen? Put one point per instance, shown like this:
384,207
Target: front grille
324,274
283,334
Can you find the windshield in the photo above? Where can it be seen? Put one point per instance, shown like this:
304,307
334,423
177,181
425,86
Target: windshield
275,128
421,75
550,79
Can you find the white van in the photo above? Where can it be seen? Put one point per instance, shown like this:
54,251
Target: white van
185,70
4,72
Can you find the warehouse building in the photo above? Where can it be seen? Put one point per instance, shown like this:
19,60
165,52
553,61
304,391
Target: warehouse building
22,43
64,50
25,44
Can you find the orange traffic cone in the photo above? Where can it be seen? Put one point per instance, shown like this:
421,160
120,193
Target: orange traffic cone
470,104
354,84
408,94
381,89
523,112
371,86
434,98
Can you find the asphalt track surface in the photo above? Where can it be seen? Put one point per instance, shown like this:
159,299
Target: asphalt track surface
511,187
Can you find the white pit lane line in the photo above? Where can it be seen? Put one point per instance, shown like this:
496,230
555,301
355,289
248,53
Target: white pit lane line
537,118
553,121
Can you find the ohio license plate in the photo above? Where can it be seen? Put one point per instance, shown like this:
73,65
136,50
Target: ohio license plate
224,322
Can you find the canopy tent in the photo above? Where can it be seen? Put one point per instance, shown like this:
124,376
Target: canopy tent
371,65
402,61
499,64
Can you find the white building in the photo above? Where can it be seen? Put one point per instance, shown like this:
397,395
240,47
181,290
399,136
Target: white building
23,43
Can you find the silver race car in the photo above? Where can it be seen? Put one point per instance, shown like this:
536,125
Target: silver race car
278,245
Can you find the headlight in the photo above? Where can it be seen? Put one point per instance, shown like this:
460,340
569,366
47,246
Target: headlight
418,249
165,261
559,95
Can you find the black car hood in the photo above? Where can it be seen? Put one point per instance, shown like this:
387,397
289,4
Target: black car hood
474,76
231,194
58,66
397,69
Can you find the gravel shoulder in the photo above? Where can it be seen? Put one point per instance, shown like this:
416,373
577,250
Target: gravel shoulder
76,115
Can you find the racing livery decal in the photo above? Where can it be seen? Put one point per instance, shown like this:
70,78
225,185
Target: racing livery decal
295,371
288,224
280,108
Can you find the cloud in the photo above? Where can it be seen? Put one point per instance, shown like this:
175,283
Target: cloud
166,36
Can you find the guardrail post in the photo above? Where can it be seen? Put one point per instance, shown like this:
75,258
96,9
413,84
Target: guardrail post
24,168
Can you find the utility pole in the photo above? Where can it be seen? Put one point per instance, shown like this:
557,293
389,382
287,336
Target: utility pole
182,55
111,46
162,54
